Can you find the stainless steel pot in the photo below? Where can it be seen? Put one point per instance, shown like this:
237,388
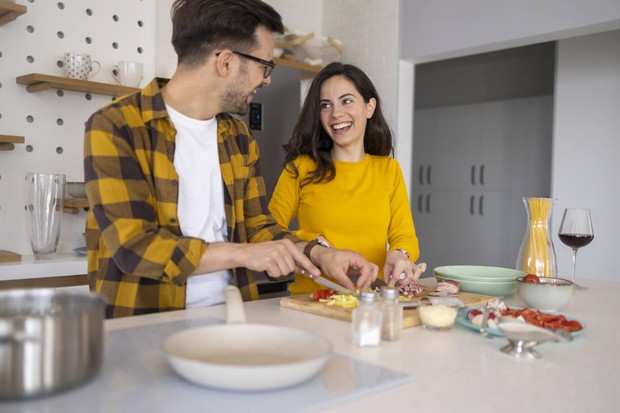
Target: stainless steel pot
49,340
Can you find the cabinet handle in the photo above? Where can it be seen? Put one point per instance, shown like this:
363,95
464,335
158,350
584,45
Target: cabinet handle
421,175
482,174
473,175
428,174
471,205
480,204
428,203
420,203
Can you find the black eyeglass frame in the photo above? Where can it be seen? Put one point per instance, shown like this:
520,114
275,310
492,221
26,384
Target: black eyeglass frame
269,65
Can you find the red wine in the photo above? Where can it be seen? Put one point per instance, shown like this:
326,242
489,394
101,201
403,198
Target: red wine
576,240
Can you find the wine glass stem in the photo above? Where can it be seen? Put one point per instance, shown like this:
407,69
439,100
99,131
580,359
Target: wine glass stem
574,263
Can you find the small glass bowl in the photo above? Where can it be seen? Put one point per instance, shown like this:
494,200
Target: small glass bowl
438,316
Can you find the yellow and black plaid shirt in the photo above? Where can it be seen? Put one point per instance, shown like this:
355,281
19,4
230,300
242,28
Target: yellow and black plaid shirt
137,256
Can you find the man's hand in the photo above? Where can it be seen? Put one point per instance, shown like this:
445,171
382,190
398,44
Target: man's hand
338,264
277,258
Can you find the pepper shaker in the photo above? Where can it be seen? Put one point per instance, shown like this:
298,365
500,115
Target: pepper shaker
392,314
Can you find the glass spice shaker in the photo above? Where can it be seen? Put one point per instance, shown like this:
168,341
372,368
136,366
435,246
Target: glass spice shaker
392,313
367,317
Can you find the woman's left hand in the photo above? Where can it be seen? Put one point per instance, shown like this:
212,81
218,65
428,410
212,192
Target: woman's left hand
399,270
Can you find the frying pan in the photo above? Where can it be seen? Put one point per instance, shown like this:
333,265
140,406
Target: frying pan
241,356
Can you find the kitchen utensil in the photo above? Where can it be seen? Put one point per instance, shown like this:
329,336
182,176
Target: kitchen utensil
241,356
49,341
522,338
44,199
437,316
549,294
537,253
576,232
127,73
484,324
329,284
80,65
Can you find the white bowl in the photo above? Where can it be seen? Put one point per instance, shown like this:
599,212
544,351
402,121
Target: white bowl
76,189
549,295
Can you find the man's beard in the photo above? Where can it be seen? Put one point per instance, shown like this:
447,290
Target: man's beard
235,99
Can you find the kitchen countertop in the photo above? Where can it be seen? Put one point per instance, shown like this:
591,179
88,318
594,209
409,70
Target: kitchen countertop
62,264
457,370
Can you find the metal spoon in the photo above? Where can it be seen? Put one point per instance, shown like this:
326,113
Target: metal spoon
484,324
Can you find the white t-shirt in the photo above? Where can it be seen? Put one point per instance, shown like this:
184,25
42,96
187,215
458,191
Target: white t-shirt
201,199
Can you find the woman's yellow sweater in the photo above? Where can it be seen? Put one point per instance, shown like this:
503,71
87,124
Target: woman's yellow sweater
365,208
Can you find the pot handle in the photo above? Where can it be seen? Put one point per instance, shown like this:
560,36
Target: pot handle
234,306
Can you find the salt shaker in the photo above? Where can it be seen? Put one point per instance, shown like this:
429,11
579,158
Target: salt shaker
392,314
367,318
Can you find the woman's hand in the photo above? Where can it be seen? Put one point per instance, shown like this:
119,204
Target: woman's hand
399,270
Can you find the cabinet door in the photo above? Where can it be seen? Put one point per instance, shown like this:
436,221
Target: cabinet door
437,226
494,167
445,145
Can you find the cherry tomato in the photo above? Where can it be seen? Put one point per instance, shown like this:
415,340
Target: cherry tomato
531,278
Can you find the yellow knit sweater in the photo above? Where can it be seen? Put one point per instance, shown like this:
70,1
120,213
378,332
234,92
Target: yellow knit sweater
364,209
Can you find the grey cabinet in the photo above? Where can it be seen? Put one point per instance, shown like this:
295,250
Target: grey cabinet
472,164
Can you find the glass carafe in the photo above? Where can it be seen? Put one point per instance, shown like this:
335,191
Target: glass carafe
537,254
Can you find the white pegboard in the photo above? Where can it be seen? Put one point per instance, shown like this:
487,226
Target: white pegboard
110,31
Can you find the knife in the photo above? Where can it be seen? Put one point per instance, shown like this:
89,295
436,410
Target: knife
330,284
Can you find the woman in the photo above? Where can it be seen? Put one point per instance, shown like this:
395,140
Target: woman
340,182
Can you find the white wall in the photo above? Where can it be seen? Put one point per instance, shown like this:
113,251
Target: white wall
434,30
299,15
52,121
369,32
587,146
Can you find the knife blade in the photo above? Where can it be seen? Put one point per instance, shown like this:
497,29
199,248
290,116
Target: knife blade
329,284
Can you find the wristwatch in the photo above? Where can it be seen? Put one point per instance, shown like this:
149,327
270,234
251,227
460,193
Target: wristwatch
320,240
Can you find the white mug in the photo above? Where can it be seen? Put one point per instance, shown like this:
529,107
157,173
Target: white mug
127,73
79,65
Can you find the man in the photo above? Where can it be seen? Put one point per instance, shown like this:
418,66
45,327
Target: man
178,208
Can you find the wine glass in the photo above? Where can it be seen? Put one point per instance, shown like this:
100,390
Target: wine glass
576,232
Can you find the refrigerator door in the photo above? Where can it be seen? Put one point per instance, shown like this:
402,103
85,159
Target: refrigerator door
280,102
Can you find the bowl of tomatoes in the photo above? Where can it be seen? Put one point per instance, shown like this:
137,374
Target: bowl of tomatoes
544,293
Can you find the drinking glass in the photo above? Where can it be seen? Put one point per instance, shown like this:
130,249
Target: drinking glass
44,195
576,232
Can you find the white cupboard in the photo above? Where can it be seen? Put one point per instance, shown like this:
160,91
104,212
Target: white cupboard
472,164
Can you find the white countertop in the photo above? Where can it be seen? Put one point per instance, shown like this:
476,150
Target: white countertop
460,370
61,265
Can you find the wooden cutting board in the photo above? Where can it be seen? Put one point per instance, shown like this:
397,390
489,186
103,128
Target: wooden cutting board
411,318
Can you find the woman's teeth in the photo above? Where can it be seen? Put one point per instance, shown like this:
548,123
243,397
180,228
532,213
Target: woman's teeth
340,126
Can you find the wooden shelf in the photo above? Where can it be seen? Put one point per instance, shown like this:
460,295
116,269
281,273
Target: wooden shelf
307,71
9,11
7,142
37,82
72,205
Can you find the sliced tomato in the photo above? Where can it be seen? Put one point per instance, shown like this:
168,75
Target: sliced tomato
323,294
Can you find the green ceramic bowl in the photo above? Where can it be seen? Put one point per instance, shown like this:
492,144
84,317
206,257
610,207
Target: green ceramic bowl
495,281
478,273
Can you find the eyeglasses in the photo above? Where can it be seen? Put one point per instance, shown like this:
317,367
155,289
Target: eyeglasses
269,66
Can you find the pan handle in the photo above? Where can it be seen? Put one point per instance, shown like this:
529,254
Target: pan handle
234,306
